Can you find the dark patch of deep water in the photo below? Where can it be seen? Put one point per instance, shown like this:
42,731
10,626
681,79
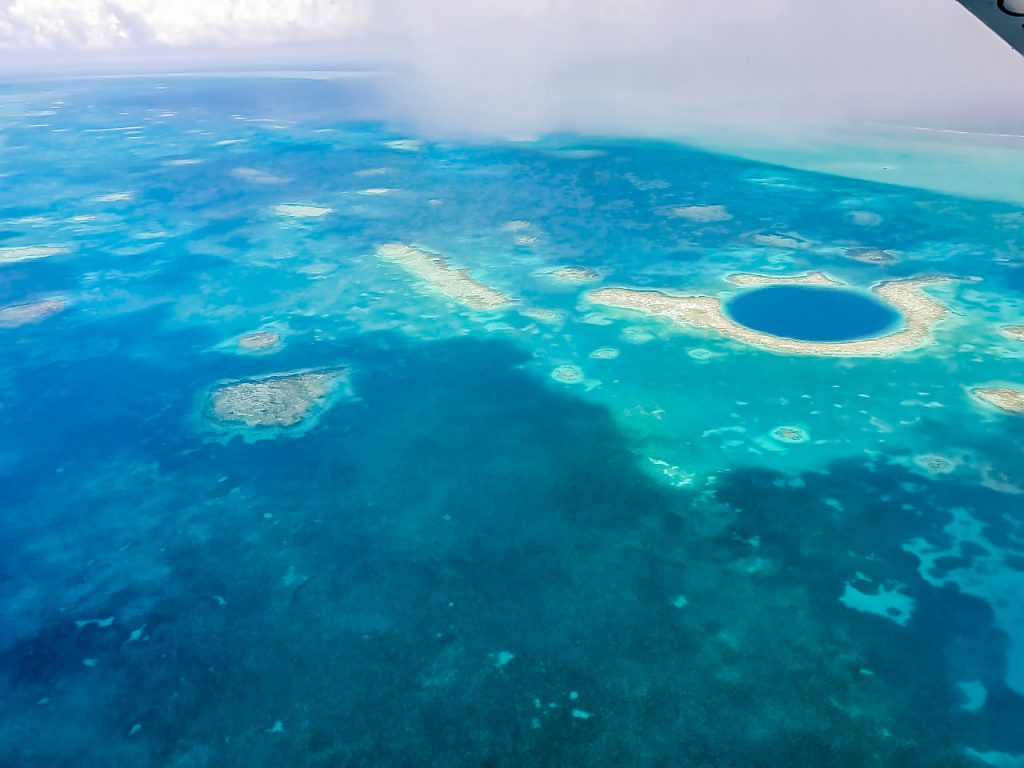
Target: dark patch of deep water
812,313
475,576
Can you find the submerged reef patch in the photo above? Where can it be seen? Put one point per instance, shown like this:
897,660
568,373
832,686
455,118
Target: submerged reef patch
872,255
790,434
934,464
434,270
887,602
567,374
15,315
919,310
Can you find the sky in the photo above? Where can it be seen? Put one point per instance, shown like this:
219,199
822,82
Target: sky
534,65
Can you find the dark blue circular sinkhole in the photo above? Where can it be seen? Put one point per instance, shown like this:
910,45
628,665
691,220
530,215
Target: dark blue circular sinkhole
812,313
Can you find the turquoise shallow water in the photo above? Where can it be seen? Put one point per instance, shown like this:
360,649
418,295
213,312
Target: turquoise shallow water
465,561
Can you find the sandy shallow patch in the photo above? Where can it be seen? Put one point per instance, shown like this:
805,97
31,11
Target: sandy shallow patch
14,254
27,313
1008,399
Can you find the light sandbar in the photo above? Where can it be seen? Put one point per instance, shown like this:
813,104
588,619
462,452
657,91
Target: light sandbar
751,280
454,283
574,275
516,225
1009,399
16,315
920,313
116,197
296,211
256,176
705,214
14,254
541,315
792,242
281,400
1015,332
259,341
872,255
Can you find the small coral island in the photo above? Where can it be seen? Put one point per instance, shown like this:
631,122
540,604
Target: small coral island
1009,399
283,401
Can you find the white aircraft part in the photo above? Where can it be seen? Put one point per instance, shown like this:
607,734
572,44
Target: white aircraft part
1004,17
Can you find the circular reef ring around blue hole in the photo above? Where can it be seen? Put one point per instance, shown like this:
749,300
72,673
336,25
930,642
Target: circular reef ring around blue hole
813,313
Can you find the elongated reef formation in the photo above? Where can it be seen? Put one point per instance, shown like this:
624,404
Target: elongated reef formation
434,270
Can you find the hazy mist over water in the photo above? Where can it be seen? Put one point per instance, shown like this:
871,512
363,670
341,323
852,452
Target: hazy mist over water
602,66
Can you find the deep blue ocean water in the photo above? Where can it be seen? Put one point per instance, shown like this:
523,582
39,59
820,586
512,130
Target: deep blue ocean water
812,313
468,563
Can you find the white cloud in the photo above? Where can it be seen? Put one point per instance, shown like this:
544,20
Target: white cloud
101,24
585,63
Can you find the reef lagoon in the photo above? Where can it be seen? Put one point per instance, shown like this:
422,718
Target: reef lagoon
327,443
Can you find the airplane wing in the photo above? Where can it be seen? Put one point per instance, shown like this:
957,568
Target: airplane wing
1004,17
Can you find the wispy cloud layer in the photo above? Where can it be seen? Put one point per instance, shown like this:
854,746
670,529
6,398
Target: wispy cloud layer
532,65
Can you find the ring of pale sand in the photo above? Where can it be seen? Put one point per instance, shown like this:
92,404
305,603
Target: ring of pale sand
919,310
452,282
